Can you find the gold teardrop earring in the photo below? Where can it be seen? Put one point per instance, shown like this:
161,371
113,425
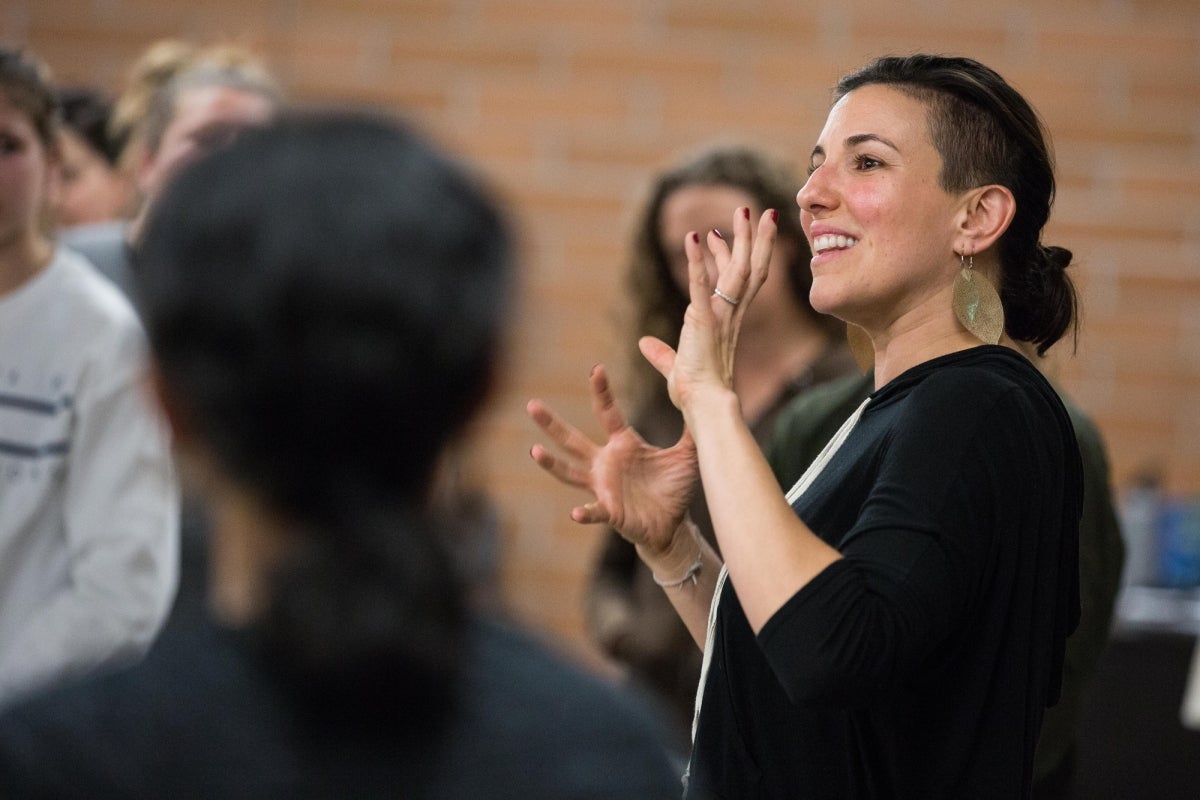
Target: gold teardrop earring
976,303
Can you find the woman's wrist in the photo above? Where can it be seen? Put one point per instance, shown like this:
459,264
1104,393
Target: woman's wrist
680,561
711,403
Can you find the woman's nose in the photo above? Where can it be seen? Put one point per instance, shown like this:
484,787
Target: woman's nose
815,194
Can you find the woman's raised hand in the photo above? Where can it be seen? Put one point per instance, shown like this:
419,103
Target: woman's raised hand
640,490
714,317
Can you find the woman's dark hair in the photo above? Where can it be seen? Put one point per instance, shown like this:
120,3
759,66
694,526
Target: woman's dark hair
86,112
324,298
25,80
658,302
987,133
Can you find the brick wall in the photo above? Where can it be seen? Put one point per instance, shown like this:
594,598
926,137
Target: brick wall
568,106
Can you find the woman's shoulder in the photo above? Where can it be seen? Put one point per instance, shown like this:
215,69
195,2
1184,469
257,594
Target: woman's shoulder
981,374
986,392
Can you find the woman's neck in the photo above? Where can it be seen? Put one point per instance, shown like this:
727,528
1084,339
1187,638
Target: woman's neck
22,258
247,541
899,352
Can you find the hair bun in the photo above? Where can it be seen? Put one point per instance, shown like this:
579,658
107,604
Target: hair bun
1059,257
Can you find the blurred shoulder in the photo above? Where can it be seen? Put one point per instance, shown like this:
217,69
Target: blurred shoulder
90,293
105,246
532,720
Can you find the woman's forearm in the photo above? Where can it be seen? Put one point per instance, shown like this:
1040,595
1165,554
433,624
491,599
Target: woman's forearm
770,553
687,570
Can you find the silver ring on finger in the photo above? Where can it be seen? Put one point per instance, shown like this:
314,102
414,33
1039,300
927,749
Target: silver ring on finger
733,301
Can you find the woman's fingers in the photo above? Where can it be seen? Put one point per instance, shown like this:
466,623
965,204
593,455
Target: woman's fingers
660,354
760,254
699,288
718,246
560,468
734,274
573,472
566,436
590,513
575,469
742,267
604,405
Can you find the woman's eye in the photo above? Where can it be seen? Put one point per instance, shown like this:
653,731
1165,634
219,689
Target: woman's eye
866,162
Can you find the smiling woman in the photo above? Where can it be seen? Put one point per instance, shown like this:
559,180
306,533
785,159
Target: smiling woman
894,626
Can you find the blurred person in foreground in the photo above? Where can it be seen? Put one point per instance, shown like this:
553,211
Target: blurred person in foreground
326,300
88,504
893,625
784,349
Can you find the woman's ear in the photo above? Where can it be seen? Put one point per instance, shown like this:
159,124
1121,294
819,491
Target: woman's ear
987,213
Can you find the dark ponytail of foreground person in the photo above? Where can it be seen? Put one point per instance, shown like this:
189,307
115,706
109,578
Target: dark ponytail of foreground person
327,327
986,132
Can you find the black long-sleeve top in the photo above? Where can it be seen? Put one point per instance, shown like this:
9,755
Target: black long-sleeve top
919,665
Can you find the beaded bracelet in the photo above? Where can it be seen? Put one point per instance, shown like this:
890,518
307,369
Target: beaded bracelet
690,575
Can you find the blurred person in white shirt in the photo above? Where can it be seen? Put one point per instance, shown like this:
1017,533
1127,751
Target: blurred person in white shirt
88,500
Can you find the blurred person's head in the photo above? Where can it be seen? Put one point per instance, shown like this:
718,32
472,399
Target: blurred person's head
91,187
29,120
157,64
699,194
325,299
200,109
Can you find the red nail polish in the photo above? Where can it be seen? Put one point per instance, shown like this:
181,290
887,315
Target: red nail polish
695,237
774,215
718,233
746,213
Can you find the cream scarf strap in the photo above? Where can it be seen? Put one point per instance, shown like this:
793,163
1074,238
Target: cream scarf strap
800,488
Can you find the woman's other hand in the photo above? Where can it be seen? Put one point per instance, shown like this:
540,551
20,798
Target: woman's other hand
640,490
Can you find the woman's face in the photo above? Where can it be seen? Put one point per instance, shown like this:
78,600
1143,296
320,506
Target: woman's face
24,171
89,189
700,208
882,230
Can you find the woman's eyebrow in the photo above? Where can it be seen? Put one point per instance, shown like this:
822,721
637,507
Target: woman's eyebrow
859,138
856,139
